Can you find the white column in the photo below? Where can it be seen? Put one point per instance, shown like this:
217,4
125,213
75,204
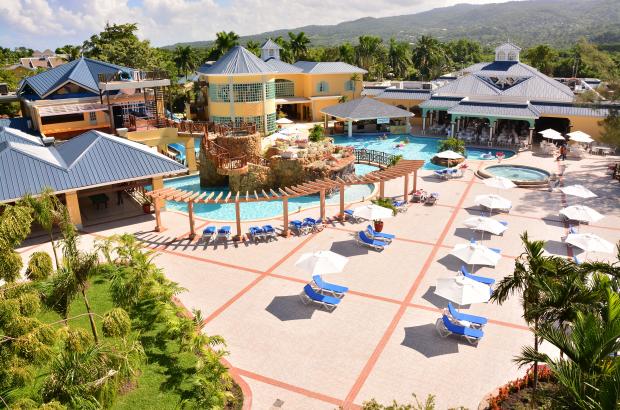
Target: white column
452,129
407,125
350,128
530,140
423,125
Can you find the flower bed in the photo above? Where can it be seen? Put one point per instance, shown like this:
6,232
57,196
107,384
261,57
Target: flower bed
517,394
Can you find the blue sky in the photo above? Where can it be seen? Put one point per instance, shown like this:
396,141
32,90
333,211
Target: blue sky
44,24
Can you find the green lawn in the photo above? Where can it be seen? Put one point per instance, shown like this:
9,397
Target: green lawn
163,378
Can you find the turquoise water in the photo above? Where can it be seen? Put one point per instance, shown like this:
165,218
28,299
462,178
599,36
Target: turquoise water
260,210
417,148
181,149
518,173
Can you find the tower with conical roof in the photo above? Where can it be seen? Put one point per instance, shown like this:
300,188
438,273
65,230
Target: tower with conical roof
270,49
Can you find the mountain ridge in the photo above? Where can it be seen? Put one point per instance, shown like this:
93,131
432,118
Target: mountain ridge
559,23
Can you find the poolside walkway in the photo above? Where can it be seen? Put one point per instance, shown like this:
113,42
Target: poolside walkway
381,341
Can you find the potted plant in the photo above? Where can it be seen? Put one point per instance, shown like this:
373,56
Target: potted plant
378,225
386,203
146,206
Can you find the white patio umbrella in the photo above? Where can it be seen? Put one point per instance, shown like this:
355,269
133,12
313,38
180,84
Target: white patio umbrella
499,183
321,262
476,254
482,223
580,136
283,121
462,290
492,201
449,154
372,212
590,242
581,213
578,190
552,134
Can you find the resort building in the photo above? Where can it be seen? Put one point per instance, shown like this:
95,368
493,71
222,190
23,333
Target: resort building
86,94
505,95
39,60
242,88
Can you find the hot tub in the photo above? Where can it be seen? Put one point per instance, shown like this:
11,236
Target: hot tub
521,175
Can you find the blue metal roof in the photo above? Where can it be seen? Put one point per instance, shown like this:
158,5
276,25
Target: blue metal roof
338,67
91,159
495,109
18,123
567,109
83,72
270,45
404,94
365,108
373,90
238,61
282,67
440,103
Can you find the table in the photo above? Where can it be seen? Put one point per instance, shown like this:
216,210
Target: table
601,150
99,199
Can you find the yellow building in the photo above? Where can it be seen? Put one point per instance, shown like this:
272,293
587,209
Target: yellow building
243,88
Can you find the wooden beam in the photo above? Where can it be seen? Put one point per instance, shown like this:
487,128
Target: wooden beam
255,195
285,216
239,236
228,196
264,193
283,192
190,211
341,213
322,205
218,197
207,199
274,193
194,196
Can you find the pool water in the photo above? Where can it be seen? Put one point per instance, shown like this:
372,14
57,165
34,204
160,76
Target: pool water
261,210
417,148
518,172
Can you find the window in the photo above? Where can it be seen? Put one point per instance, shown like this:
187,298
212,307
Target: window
92,117
248,92
219,93
284,88
58,119
512,56
322,87
258,120
271,122
348,85
272,53
270,91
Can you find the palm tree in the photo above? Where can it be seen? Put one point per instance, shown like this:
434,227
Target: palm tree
355,78
286,53
367,51
184,60
590,373
299,44
346,53
72,52
46,212
225,41
399,58
429,57
253,47
530,266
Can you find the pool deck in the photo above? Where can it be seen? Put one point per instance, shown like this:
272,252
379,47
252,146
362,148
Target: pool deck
381,340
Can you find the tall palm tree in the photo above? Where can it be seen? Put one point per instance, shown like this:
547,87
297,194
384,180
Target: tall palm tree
253,47
225,41
590,373
399,58
46,212
530,266
299,44
346,53
355,78
184,60
367,51
286,53
429,57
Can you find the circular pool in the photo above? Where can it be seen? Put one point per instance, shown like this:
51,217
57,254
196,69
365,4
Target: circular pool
521,175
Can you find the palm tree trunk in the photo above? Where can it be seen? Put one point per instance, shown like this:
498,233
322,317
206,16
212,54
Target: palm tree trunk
54,249
535,383
90,317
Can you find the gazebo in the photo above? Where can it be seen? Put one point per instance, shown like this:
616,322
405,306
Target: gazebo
366,108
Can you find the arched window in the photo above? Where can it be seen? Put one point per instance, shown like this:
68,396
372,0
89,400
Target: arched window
322,87
348,85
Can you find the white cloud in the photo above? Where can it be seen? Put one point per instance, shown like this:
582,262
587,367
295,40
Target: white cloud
51,23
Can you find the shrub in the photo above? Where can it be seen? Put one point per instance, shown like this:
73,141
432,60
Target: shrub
386,203
76,339
39,266
116,323
317,133
453,144
395,158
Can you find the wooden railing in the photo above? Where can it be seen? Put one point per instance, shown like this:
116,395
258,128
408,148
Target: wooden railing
372,156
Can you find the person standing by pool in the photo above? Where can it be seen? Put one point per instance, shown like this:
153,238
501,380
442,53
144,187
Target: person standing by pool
562,155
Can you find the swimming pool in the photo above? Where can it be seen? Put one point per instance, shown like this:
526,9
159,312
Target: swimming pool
518,173
261,210
417,148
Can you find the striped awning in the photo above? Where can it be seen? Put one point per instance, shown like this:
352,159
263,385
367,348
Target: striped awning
51,110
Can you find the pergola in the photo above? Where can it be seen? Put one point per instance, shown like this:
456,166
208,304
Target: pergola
404,168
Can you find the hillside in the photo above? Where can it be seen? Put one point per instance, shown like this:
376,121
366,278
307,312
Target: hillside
556,22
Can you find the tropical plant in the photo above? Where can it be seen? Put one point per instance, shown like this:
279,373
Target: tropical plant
211,383
299,44
184,60
542,57
116,323
40,266
589,372
355,79
453,144
47,210
399,58
429,57
223,42
530,267
286,54
346,53
72,52
253,47
317,133
385,203
395,158
368,51
428,404
464,52
15,221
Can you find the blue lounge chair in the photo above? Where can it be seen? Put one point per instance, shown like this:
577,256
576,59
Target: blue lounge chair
310,295
364,240
208,233
385,237
313,224
348,214
224,233
326,287
496,250
297,227
481,279
505,223
445,328
256,233
476,321
401,206
442,173
269,232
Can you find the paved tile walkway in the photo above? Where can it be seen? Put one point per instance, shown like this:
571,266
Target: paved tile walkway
381,340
